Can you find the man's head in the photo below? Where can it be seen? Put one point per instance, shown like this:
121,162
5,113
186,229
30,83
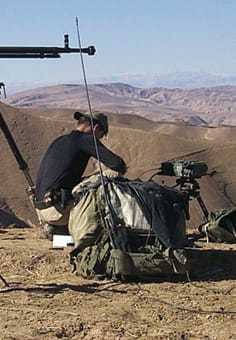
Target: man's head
100,123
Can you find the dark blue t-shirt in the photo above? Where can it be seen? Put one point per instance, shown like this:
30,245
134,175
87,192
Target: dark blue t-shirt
66,159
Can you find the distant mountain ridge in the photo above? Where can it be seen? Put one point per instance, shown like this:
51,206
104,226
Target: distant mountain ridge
214,106
185,80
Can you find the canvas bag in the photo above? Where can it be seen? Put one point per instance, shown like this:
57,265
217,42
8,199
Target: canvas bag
221,226
89,232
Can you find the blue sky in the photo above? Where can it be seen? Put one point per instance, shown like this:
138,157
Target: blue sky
131,36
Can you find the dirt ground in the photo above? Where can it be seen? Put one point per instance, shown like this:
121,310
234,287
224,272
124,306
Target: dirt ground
46,301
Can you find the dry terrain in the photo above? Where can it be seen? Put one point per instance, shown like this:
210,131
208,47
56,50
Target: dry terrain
46,301
200,106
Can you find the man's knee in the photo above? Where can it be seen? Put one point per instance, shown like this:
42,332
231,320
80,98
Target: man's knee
54,222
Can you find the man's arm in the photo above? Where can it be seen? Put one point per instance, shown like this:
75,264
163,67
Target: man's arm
107,157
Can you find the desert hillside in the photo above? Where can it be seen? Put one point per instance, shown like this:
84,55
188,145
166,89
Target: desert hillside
201,106
142,143
46,301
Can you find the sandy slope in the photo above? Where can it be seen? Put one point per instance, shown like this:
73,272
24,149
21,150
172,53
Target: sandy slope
142,143
46,301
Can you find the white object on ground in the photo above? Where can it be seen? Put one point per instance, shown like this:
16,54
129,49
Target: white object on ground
60,241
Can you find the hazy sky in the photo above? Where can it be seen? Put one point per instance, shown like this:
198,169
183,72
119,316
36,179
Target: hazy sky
131,36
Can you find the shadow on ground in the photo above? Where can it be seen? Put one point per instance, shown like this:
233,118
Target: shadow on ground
8,219
212,264
54,288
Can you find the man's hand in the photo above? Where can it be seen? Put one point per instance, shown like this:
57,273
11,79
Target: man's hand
111,173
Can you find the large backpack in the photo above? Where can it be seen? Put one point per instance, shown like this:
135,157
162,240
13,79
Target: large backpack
147,225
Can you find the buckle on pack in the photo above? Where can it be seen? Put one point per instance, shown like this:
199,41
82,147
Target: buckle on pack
49,199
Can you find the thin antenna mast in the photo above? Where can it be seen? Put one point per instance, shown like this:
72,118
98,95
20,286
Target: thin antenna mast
113,241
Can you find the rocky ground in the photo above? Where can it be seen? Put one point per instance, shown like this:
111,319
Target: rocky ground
46,301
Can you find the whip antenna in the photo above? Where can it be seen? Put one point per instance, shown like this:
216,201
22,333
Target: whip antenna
107,222
84,73
88,98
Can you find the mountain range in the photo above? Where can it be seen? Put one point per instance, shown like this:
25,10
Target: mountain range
201,106
184,80
171,80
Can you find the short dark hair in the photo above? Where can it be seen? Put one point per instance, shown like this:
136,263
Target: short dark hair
97,118
83,119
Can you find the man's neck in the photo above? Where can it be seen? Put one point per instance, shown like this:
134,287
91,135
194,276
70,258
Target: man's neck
83,128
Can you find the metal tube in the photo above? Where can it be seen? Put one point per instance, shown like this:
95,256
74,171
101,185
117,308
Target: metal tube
90,50
2,86
16,152
28,56
4,91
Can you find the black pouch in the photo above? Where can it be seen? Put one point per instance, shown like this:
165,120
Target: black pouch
65,197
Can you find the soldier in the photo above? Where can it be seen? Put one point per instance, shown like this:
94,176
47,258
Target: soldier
62,168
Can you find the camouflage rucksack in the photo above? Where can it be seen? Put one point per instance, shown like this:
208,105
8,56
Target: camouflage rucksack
221,226
142,250
102,260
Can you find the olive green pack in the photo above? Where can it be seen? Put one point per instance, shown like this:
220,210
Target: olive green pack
221,226
150,260
140,252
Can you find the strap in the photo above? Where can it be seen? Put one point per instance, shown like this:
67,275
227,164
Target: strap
47,201
41,205
59,197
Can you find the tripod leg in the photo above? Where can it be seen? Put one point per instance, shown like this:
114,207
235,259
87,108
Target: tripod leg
203,207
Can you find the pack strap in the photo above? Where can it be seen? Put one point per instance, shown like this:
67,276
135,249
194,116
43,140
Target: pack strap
56,197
